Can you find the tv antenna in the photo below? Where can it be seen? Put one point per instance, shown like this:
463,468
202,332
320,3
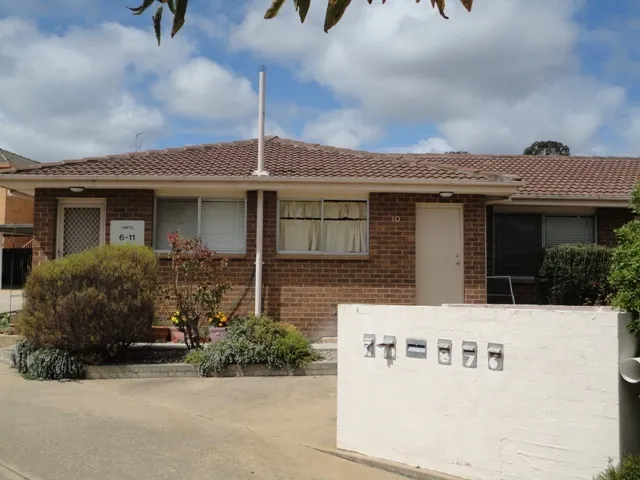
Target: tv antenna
137,147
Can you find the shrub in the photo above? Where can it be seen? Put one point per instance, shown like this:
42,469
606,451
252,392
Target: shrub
254,340
46,363
5,322
629,469
625,269
576,275
197,287
92,303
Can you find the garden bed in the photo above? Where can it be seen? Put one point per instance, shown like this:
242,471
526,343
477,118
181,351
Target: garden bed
149,354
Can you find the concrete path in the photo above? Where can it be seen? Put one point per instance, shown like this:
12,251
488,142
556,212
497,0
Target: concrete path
10,300
157,429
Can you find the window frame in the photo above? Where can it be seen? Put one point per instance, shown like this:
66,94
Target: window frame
79,202
321,253
199,219
543,217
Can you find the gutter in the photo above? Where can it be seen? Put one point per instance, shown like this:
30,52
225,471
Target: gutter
568,201
28,182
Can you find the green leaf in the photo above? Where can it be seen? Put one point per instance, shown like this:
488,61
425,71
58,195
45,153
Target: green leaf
172,6
140,10
157,23
178,19
273,10
335,10
302,7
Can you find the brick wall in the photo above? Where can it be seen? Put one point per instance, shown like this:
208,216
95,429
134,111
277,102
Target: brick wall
121,205
306,292
608,220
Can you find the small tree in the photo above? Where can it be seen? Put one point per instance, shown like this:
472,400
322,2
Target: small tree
625,270
197,286
547,147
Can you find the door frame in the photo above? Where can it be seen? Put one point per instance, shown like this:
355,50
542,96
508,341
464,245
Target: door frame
63,203
442,206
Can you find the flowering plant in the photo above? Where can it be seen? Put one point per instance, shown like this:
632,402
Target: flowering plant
197,287
219,319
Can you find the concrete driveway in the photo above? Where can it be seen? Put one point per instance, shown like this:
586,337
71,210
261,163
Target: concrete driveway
235,428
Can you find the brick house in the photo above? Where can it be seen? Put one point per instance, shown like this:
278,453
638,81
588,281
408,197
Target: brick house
339,226
16,225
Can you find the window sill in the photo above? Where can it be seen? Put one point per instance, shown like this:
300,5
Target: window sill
318,257
230,256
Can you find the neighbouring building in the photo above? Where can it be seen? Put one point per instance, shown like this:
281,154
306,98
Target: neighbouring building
16,225
340,226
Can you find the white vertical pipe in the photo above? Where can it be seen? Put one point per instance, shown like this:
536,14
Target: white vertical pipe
259,227
260,198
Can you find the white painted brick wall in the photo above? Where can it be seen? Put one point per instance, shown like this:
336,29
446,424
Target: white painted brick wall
554,413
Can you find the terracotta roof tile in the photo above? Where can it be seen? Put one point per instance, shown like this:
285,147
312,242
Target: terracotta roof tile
562,176
283,158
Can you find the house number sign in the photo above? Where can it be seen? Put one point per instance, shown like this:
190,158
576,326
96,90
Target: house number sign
127,232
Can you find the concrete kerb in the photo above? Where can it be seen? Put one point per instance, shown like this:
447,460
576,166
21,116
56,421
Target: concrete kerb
183,370
387,466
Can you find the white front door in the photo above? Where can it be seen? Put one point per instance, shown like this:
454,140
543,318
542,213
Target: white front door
81,226
439,248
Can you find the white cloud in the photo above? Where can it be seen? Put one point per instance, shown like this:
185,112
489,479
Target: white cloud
66,96
341,128
428,145
202,88
490,81
88,91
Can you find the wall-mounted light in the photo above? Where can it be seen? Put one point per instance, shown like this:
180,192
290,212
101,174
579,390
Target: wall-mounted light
77,189
446,194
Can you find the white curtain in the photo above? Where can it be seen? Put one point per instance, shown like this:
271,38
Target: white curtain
300,226
345,227
345,236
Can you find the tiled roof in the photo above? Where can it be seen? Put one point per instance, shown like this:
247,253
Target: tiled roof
283,158
562,176
588,177
15,160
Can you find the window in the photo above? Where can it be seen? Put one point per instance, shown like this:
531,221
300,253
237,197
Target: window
323,226
220,223
518,242
559,230
520,238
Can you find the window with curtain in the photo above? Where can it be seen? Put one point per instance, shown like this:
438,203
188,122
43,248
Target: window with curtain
221,227
519,239
323,226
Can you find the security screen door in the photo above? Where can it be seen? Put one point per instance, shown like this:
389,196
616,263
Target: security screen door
80,227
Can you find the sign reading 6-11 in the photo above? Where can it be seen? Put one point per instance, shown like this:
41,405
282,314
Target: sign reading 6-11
127,232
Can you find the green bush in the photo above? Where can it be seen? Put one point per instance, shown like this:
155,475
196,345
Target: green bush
629,469
93,303
625,272
576,275
254,340
46,363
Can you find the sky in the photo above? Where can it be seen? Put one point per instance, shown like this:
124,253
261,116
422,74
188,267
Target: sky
80,78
